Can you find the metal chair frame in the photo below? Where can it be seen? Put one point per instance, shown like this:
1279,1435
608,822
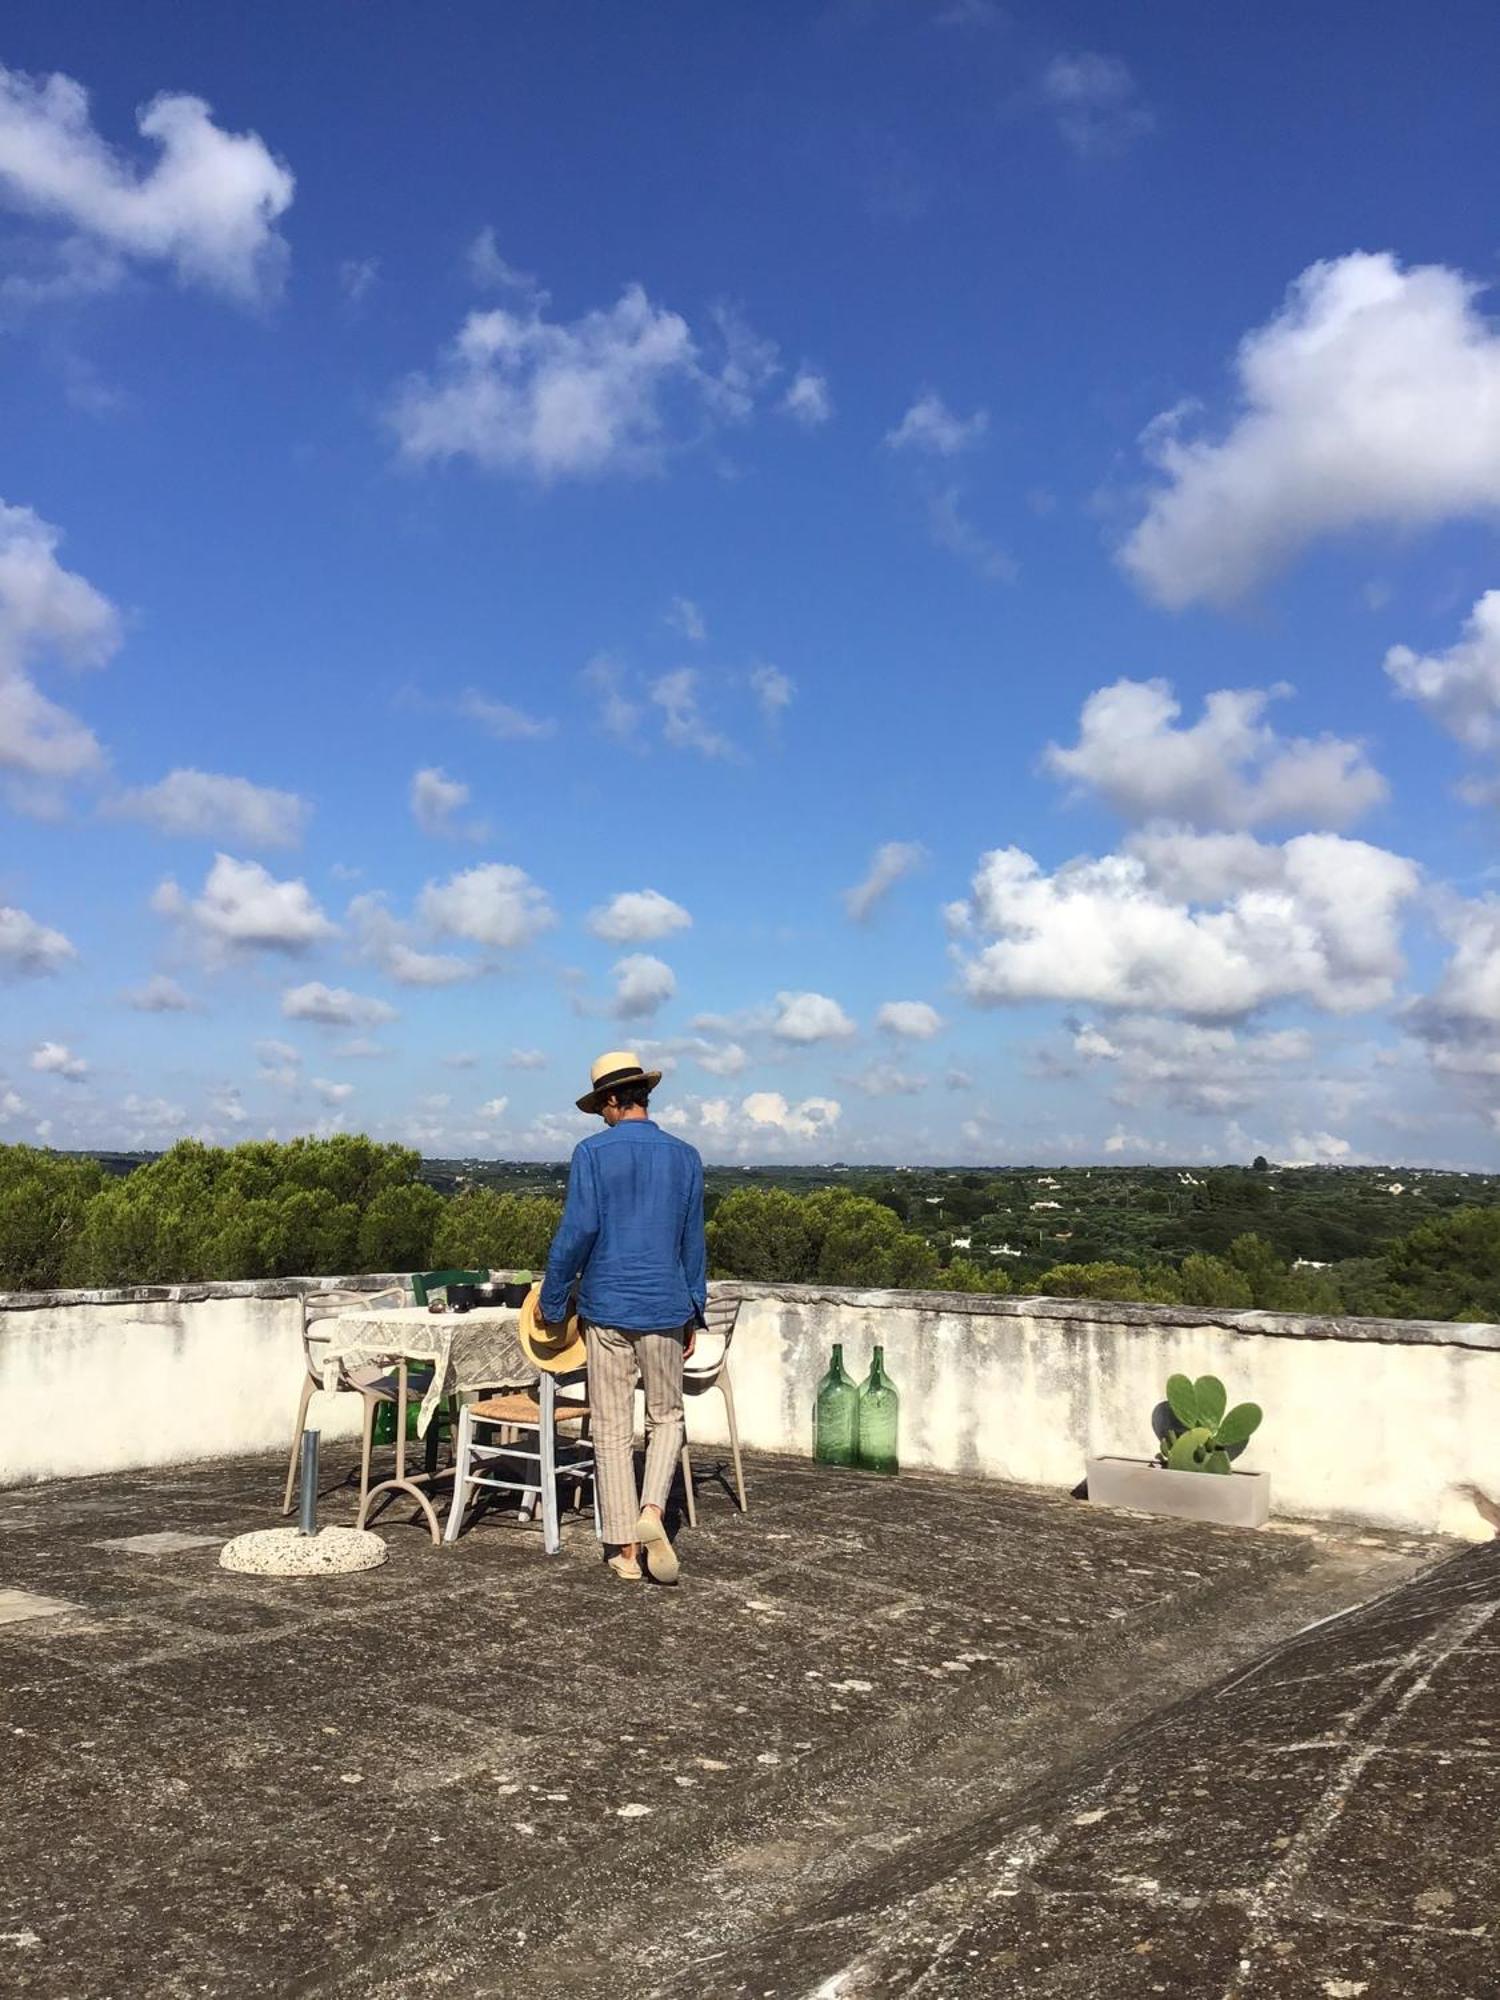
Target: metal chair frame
555,1458
370,1384
702,1372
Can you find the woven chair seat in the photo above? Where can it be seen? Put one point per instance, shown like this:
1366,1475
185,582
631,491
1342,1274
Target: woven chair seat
519,1408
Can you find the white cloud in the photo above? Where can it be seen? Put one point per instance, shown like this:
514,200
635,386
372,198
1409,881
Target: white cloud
1371,399
206,805
280,1063
930,426
914,1019
357,277
1319,1149
885,1079
207,206
360,1048
686,618
490,272
813,1118
528,1059
891,863
494,904
159,995
1195,1068
436,799
807,399
461,1059
1096,104
951,529
683,723
617,715
613,391
810,1017
494,1107
716,1057
46,613
57,1059
1228,769
332,1093
1460,688
642,985
636,916
387,942
773,690
334,1006
30,948
243,907
503,721
1323,926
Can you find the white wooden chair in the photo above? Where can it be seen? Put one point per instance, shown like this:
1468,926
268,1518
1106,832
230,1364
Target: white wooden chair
508,1420
369,1383
706,1368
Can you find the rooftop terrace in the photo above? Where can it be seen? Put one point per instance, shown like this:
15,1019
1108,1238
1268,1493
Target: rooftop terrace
931,1726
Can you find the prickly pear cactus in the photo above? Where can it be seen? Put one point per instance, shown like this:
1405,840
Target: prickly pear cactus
1209,1430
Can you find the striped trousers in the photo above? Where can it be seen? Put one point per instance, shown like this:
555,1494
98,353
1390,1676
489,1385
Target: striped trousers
616,1357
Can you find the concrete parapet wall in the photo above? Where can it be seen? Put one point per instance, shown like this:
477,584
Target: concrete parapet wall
1388,1422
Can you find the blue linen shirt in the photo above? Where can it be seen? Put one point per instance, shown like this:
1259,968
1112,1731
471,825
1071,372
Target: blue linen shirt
632,1228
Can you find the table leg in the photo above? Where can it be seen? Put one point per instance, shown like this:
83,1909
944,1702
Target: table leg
401,1484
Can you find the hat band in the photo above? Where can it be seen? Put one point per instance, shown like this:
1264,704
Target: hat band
617,1076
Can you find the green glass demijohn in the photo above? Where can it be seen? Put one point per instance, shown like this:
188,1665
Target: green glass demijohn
879,1418
836,1415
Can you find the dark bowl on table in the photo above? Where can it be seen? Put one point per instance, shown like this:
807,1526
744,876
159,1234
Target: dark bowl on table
461,1298
515,1295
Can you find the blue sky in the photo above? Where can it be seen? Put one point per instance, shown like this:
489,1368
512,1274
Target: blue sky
926,565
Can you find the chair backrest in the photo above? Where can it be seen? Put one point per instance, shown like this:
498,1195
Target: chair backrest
317,1306
423,1281
704,1365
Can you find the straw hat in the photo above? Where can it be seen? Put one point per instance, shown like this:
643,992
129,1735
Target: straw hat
613,1070
557,1349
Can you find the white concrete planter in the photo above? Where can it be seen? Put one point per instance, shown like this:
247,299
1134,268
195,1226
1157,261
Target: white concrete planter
1232,1500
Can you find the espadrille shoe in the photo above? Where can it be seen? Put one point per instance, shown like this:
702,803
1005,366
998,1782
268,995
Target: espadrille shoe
626,1568
661,1557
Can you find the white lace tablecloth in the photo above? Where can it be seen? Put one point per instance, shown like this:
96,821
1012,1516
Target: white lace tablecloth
473,1350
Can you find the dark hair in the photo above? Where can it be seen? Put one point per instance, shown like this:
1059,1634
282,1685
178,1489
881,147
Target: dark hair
630,1096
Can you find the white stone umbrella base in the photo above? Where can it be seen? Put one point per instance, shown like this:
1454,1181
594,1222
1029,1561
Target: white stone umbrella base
288,1552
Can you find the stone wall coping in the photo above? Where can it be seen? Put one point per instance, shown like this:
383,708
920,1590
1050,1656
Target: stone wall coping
1267,1325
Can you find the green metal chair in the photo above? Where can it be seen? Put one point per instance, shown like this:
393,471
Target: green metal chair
423,1281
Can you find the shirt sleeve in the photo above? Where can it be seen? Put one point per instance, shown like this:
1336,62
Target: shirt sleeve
574,1239
693,1249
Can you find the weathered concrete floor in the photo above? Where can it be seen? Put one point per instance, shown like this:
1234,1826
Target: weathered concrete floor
479,1771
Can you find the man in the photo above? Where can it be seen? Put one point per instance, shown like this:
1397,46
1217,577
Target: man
632,1235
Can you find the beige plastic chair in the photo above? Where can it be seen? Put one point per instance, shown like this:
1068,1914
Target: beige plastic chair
707,1367
368,1382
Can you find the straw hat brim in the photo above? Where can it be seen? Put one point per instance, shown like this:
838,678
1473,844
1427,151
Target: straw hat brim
559,1350
594,1100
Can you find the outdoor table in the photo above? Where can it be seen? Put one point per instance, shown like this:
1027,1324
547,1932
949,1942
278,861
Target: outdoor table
479,1349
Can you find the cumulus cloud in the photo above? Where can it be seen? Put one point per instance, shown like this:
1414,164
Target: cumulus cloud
332,1093
636,916
494,1108
1322,925
389,943
1095,102
915,1020
886,1079
807,399
684,724
891,863
206,805
494,904
1459,688
615,713
1227,769
930,426
334,1006
813,1118
613,391
504,722
47,614
57,1059
207,206
642,985
29,949
685,618
1459,1021
810,1017
1371,399
1317,1149
951,529
242,907
773,690
280,1063
436,800
1207,1070
159,995
527,1059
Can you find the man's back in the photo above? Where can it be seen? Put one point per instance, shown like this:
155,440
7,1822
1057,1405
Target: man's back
633,1225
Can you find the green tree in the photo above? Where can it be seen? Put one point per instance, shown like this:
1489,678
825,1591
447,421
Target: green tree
1210,1281
396,1231
763,1234
1127,1282
1448,1268
44,1199
860,1243
481,1229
